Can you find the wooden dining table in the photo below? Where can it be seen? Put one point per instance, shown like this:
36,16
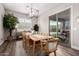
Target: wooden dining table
38,37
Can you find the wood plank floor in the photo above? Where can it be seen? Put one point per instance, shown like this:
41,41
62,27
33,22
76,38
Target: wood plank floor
15,48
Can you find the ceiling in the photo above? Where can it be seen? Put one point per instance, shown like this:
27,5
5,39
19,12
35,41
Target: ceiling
21,7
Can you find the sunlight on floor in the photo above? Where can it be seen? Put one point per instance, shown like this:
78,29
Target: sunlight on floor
19,51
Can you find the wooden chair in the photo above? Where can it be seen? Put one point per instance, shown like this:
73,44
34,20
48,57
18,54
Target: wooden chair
44,33
43,43
24,39
51,46
29,42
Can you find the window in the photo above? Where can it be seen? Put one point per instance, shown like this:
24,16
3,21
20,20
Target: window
24,24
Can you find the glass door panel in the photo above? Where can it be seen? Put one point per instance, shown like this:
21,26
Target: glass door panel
59,26
53,25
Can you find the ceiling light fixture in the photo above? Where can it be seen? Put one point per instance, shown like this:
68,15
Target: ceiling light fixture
32,12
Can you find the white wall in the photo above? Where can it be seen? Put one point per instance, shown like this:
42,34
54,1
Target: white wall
44,21
1,24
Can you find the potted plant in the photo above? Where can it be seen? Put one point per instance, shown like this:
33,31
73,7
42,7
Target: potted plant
9,22
36,28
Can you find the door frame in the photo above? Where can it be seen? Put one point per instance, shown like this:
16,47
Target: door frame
71,21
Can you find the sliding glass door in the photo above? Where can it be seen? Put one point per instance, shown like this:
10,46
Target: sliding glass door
59,26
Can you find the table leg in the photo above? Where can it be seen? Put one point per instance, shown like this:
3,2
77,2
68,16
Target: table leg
33,48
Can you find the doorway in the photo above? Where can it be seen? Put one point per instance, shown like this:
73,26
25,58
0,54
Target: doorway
59,26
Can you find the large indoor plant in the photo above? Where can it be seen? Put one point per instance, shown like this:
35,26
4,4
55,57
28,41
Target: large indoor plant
9,22
36,28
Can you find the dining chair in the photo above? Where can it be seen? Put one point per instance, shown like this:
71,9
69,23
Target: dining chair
43,43
51,46
44,33
29,42
24,41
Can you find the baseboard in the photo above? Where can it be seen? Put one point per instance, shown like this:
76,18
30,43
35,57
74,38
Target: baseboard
75,47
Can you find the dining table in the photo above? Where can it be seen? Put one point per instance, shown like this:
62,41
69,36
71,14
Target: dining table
38,37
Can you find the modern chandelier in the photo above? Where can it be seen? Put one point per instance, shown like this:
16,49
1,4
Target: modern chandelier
33,12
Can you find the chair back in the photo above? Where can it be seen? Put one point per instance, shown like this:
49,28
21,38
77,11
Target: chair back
44,33
23,35
52,44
